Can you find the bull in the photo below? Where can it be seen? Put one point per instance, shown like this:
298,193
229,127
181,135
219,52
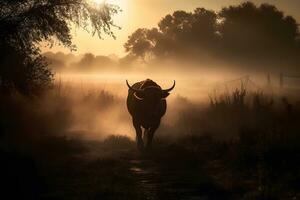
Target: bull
146,103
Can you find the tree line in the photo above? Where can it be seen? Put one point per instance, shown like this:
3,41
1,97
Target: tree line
245,32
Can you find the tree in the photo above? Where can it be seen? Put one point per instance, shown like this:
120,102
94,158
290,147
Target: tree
197,28
26,23
177,33
251,30
138,43
244,32
148,43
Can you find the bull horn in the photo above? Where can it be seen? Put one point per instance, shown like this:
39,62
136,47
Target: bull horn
133,89
171,88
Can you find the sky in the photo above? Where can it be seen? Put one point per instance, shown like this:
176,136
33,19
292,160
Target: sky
146,14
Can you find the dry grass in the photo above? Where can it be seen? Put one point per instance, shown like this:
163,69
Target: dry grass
240,146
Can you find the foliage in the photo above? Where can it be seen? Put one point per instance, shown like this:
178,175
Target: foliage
257,30
23,70
175,33
26,23
244,31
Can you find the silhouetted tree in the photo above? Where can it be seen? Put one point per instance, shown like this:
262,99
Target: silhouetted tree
243,32
23,70
257,30
90,62
26,23
138,43
177,33
197,28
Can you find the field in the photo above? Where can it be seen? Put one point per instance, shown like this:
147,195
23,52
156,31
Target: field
79,144
230,128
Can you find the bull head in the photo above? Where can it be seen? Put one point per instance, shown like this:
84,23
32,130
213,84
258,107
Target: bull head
140,93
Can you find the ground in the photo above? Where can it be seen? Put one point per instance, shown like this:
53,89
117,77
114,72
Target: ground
115,169
129,174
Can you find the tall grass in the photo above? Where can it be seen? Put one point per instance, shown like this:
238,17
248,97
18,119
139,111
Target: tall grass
255,137
249,143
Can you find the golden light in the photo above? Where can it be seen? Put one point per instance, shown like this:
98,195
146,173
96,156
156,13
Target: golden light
115,2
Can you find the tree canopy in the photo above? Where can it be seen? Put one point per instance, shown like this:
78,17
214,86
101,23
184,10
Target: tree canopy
246,31
262,30
26,23
176,32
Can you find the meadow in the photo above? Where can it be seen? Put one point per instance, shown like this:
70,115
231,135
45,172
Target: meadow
77,142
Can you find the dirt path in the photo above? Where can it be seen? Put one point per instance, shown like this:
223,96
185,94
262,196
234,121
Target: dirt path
164,175
154,183
146,177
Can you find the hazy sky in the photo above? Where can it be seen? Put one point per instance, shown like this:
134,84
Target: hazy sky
147,13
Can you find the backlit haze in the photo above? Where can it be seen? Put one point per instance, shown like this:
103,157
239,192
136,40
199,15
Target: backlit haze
146,14
99,63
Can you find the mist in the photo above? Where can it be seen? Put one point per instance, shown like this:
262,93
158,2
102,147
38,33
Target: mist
96,91
96,102
230,129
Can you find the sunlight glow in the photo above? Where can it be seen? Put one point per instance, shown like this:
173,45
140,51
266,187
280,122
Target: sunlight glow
116,2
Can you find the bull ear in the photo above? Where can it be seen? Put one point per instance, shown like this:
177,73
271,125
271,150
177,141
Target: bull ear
165,95
139,95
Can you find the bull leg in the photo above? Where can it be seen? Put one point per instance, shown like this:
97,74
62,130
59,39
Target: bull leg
150,135
145,135
139,139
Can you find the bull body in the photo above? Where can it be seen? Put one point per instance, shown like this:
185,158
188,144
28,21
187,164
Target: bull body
146,103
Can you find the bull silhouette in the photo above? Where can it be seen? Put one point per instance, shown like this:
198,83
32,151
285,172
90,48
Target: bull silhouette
146,103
